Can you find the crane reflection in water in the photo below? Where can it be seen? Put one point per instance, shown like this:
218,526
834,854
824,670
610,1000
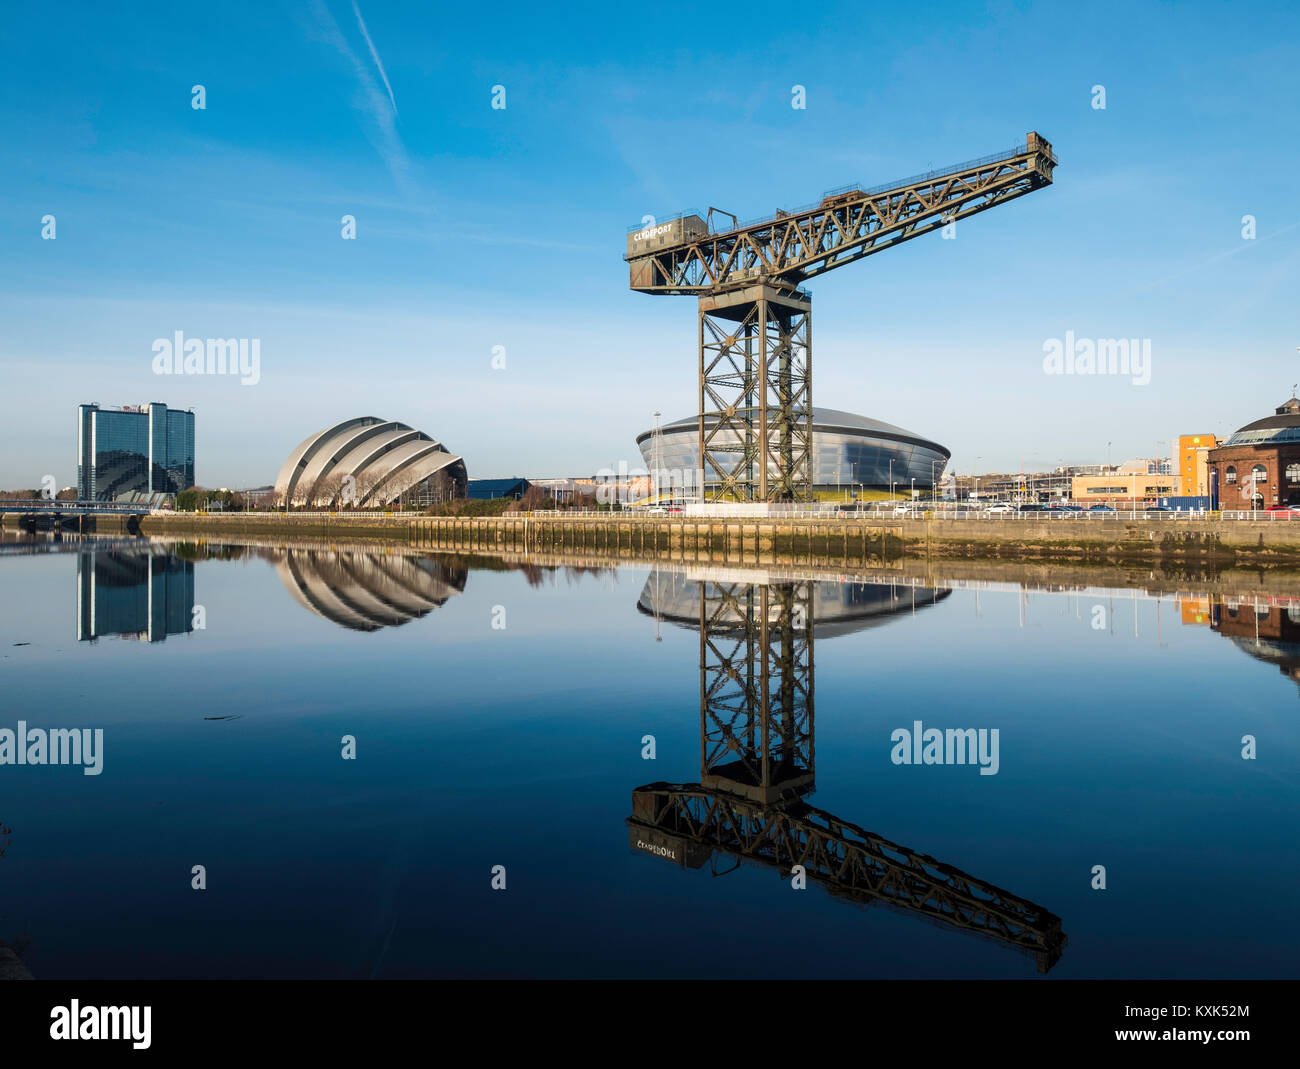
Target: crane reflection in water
757,758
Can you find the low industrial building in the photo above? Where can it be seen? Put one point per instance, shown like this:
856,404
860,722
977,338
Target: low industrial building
491,489
1130,485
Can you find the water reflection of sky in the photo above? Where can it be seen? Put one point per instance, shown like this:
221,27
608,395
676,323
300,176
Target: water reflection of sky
521,746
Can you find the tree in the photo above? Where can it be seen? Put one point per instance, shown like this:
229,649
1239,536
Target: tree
440,487
325,491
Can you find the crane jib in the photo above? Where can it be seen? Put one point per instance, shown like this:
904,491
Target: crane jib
682,256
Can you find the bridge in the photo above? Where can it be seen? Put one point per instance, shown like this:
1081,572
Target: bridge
40,514
76,508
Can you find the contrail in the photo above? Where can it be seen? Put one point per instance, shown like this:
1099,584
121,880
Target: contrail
384,136
374,54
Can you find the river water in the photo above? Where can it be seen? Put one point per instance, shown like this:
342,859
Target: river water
354,763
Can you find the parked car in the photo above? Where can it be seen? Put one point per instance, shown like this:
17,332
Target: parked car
1159,508
1066,508
675,508
655,510
1101,508
1001,506
906,510
1282,508
1034,508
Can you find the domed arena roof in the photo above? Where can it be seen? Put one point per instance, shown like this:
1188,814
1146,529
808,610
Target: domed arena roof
1282,426
364,462
837,608
828,419
367,591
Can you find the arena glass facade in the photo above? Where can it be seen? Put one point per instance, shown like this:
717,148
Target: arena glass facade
849,452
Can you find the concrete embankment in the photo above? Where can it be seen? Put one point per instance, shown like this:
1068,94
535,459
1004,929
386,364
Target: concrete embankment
1199,541
1262,541
1214,542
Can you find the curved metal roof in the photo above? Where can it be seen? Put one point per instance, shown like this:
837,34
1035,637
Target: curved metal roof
324,459
366,591
367,452
828,419
406,464
837,608
383,457
1283,427
306,448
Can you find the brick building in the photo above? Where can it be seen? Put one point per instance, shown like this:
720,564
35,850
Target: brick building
1259,466
1269,633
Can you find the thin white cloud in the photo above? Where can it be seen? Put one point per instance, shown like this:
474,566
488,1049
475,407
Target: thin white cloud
1240,247
374,54
382,112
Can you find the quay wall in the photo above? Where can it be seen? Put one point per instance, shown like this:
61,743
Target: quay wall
823,538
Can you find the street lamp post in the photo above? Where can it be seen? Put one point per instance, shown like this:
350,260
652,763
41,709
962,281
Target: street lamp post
656,459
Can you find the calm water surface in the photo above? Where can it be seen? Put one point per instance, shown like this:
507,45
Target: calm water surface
500,716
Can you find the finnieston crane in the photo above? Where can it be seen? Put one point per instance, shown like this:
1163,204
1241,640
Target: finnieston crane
755,322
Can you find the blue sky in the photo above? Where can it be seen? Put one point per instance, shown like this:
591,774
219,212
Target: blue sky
479,227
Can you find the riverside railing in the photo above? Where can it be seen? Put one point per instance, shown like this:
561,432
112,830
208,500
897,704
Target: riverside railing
782,512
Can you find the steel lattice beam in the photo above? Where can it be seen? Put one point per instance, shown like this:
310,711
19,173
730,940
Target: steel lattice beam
847,860
755,425
843,228
756,694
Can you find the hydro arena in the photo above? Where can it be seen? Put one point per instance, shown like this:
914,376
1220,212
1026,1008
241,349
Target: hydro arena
849,453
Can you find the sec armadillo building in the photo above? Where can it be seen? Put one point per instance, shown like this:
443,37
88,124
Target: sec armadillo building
368,462
849,452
